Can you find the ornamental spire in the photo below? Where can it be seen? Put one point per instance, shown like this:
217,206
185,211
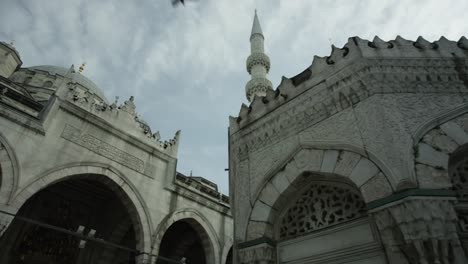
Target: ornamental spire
258,64
256,28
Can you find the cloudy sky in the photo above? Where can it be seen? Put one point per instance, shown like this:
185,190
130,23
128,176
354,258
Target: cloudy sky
186,65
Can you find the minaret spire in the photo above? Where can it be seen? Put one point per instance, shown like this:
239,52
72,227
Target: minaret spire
258,63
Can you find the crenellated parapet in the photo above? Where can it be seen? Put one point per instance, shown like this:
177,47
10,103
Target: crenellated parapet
123,116
356,71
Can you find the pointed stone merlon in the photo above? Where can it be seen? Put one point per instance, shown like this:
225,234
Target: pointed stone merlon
9,59
257,64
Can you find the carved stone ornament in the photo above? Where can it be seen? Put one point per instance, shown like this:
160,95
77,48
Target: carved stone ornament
262,254
420,230
129,106
460,180
322,205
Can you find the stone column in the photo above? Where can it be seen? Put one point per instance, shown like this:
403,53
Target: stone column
261,254
5,221
420,230
142,259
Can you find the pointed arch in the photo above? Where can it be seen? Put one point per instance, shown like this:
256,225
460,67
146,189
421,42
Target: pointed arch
299,168
112,178
202,225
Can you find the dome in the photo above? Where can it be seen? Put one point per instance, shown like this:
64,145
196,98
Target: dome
77,77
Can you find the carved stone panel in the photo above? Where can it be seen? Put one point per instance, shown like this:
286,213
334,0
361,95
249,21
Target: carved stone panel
320,206
102,148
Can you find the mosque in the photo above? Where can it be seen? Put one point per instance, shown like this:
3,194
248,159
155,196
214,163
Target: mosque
86,180
360,158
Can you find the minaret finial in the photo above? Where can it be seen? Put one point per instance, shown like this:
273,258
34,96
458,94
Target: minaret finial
258,63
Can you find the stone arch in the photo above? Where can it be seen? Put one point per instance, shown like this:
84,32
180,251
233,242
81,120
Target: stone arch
112,178
339,198
203,227
9,171
435,142
368,177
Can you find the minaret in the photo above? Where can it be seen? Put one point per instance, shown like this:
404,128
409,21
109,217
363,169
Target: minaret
258,64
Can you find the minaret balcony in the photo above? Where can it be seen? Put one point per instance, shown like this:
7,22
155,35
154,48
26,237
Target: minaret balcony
258,86
258,59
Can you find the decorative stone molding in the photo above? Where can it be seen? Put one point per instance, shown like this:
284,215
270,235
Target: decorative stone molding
102,148
258,58
261,254
422,229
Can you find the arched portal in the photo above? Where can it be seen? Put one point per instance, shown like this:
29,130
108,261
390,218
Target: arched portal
186,240
46,225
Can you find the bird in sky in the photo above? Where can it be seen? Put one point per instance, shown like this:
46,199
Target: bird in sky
177,2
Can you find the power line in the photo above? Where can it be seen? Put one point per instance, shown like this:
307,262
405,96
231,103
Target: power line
81,236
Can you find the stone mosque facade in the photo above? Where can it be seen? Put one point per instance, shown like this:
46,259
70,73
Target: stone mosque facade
85,180
360,158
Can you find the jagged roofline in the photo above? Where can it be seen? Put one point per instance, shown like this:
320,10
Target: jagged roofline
340,57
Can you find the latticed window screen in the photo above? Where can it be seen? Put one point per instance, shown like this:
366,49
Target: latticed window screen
321,205
460,180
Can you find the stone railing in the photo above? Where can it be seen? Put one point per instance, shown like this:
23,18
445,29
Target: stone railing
188,181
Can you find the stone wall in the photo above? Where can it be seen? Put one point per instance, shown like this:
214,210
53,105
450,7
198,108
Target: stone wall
76,135
360,113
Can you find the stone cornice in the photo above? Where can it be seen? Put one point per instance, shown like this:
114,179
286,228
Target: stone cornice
103,124
123,116
394,198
